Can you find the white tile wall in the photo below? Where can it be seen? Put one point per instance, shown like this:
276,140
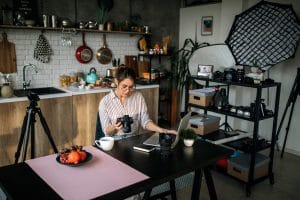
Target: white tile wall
63,60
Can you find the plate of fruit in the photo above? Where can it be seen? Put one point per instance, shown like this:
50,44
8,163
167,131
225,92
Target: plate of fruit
74,156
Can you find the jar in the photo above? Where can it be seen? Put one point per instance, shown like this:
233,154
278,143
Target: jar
7,91
64,81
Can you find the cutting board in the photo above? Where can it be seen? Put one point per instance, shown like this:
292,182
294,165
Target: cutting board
7,56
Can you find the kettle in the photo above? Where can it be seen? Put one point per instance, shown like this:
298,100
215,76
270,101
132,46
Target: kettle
91,77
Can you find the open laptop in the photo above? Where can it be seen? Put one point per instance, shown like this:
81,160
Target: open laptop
153,140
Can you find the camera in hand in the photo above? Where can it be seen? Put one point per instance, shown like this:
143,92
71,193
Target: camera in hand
126,121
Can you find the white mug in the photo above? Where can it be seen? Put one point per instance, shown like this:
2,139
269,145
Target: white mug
105,143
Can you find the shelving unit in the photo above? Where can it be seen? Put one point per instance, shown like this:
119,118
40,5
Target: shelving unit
256,118
132,33
165,118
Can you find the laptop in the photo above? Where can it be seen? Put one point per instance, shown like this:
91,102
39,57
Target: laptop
153,140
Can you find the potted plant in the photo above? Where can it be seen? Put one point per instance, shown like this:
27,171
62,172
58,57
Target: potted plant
180,66
104,7
188,136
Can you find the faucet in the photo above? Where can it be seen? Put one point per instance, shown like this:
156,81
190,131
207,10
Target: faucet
27,83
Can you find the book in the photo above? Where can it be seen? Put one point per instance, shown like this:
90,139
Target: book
144,148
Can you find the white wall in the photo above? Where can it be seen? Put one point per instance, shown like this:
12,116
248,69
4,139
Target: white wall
285,72
63,60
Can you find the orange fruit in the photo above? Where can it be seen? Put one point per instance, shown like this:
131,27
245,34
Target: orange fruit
82,155
73,157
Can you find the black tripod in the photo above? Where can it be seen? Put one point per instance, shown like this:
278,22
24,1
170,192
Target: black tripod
291,100
28,127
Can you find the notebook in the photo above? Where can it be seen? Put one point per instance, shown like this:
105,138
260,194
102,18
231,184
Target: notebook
153,140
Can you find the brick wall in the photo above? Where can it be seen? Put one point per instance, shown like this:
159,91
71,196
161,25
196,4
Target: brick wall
63,60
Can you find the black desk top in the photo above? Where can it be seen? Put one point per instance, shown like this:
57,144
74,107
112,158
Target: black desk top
20,182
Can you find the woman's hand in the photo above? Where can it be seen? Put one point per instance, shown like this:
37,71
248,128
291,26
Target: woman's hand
118,126
168,131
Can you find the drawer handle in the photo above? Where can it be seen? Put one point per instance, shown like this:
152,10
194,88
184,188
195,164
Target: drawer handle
196,98
194,126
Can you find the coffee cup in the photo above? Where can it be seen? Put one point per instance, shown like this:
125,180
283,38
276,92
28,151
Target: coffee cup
105,143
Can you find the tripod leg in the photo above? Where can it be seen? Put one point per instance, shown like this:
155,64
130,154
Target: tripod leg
288,128
26,136
32,154
23,130
294,91
47,130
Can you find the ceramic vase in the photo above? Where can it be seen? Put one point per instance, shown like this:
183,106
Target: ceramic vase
188,142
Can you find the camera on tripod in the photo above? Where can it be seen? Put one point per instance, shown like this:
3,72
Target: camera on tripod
33,96
126,121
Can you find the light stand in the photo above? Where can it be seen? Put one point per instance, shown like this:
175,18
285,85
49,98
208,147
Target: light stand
28,127
291,101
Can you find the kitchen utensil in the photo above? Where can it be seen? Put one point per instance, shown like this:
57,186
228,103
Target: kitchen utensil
42,50
104,54
84,54
91,77
7,55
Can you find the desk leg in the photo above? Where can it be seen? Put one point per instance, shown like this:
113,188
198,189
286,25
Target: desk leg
147,194
197,184
210,184
173,189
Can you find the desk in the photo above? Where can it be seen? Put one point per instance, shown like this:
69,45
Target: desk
19,181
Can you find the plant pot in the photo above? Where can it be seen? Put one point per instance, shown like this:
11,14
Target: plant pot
188,142
101,27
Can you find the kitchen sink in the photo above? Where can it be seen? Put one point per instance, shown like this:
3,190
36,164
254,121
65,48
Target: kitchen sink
38,91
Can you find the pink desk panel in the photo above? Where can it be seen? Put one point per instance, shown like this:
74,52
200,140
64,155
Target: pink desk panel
103,174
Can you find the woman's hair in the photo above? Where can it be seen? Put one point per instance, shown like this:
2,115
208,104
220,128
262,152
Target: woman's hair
126,72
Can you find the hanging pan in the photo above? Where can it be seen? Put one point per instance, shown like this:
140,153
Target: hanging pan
104,55
84,54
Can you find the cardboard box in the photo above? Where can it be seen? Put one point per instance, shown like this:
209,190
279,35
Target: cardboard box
239,166
204,124
202,97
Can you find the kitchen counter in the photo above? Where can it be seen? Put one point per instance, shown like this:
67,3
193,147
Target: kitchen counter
70,91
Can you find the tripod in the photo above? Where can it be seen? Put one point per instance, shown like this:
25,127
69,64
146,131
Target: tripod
291,101
28,127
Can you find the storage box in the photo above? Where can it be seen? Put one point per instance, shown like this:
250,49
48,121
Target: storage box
202,97
239,166
204,124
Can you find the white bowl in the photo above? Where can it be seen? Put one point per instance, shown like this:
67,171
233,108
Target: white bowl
188,142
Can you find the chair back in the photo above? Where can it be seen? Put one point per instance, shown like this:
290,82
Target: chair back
99,132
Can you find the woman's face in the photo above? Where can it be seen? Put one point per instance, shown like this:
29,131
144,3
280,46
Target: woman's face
126,87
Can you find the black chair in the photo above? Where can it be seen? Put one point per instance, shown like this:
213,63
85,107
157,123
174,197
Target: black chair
99,132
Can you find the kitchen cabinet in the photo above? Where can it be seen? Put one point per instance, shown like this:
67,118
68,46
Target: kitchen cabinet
256,145
71,120
57,112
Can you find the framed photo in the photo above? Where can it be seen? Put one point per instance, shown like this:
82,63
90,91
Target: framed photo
205,70
207,25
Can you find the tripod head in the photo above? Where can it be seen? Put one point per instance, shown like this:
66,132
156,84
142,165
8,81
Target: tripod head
33,98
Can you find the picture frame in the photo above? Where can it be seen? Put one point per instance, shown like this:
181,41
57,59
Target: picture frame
205,70
207,25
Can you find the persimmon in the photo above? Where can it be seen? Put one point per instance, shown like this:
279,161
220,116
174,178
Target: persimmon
82,155
73,157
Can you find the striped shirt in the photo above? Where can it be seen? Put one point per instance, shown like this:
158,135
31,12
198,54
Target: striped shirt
111,108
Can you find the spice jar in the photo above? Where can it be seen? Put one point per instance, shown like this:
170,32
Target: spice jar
64,81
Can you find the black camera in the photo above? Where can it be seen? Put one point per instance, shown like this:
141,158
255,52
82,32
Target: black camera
165,142
33,98
126,122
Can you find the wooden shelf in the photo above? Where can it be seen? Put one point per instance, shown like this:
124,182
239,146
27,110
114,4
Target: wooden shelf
70,29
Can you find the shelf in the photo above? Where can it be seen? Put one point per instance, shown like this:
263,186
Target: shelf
216,110
245,145
262,85
70,29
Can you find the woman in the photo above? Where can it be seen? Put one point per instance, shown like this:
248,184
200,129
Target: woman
125,100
